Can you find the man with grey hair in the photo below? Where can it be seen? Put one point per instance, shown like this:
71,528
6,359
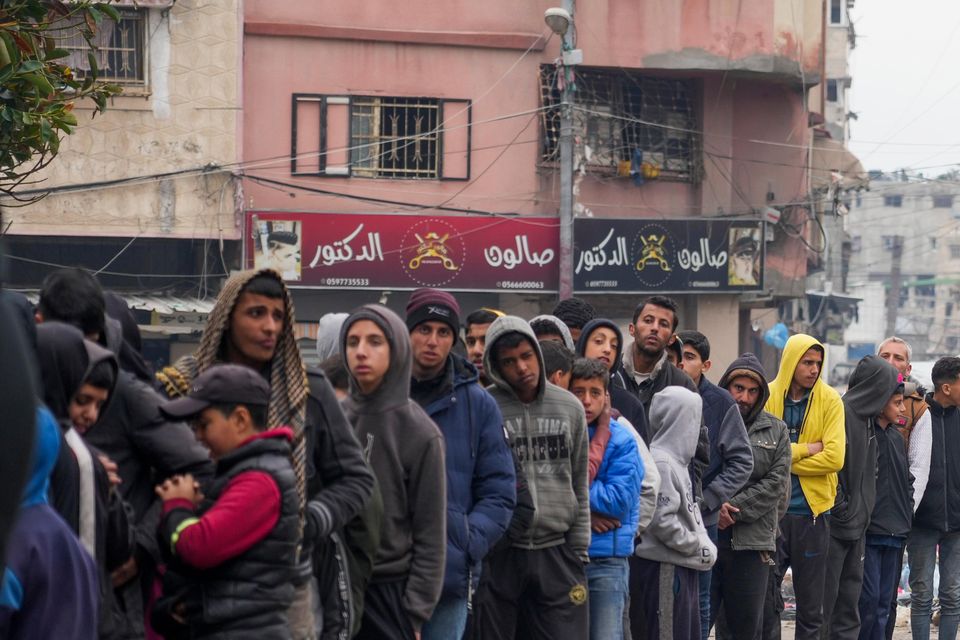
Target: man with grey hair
916,430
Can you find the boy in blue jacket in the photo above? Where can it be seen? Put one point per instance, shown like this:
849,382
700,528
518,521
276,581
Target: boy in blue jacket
616,473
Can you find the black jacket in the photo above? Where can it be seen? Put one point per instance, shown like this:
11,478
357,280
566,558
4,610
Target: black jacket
893,510
146,448
871,385
940,507
248,595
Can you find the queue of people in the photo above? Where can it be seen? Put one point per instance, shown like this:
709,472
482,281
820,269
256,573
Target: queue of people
447,476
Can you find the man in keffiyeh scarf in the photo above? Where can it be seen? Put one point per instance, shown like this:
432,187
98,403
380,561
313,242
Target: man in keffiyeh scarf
252,324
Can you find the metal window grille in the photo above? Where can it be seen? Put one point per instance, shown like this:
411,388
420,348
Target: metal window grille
120,49
625,116
943,202
395,137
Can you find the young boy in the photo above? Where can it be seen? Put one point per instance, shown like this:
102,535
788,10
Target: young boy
407,456
664,582
537,587
616,473
557,363
890,521
231,553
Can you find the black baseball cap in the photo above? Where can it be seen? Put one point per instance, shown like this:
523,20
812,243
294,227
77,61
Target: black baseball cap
220,384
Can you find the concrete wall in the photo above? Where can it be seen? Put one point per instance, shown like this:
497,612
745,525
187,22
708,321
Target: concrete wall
188,116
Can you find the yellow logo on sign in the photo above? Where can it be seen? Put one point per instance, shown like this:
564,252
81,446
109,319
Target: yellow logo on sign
433,249
653,252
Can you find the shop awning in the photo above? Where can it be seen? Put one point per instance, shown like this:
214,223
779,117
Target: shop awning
834,165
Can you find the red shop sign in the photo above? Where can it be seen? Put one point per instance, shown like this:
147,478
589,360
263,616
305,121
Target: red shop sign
401,251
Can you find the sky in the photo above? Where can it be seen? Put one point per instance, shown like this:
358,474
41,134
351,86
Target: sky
906,84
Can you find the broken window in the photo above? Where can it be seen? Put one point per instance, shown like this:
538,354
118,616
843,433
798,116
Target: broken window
622,116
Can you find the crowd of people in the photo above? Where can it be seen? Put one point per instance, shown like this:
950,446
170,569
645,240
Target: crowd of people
447,477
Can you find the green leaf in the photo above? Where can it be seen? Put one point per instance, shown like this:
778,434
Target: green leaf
94,69
109,10
40,82
29,66
96,14
56,54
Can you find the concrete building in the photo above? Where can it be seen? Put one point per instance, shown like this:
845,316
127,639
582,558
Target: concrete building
451,114
144,194
921,216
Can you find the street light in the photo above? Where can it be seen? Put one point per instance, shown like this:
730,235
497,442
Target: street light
560,21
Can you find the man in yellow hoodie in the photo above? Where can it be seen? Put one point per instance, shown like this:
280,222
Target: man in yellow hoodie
814,415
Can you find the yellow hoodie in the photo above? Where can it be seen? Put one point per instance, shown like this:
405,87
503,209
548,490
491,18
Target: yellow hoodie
822,422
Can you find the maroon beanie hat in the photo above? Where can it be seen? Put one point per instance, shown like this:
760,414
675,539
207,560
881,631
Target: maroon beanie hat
433,304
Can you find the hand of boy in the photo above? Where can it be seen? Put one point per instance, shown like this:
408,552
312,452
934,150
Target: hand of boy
182,487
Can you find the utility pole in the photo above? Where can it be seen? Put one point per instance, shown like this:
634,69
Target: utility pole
561,22
893,294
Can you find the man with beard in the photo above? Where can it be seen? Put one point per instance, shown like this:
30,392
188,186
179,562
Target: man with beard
645,369
747,539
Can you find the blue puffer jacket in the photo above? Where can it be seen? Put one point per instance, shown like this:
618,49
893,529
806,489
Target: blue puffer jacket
481,481
616,492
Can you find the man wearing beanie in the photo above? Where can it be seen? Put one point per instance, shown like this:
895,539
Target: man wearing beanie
747,537
481,484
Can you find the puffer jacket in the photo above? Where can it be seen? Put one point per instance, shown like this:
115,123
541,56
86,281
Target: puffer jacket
481,491
615,492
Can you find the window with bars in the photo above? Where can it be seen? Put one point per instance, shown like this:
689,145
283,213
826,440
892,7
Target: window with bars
380,137
623,116
394,137
943,202
120,49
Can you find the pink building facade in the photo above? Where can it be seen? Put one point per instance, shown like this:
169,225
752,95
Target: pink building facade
449,109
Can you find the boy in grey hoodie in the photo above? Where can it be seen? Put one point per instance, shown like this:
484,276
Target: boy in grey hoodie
675,546
538,583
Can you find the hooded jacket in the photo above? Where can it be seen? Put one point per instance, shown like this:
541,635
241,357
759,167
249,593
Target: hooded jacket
549,436
622,400
871,384
893,510
822,422
562,329
328,461
80,489
940,507
481,482
49,588
407,455
763,500
677,534
731,459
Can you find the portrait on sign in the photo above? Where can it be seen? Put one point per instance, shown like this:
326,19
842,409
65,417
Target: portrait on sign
744,261
276,245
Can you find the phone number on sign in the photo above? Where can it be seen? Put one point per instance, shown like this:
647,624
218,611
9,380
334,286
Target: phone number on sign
347,282
519,284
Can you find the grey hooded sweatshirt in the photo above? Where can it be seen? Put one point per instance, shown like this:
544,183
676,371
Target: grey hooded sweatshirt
562,329
677,534
407,456
549,436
